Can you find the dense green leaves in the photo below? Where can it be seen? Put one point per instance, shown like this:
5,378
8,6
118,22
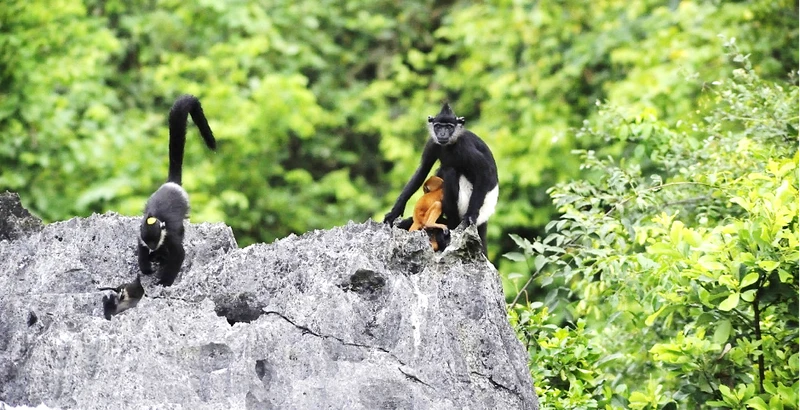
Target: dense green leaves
696,263
673,229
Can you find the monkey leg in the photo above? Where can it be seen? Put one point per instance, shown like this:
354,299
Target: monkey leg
405,223
415,227
450,199
171,264
438,226
144,260
433,214
482,234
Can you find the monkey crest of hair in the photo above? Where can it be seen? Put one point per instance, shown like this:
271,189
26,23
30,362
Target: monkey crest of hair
161,233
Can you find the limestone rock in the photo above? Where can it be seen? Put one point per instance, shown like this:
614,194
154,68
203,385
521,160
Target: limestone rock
15,221
362,316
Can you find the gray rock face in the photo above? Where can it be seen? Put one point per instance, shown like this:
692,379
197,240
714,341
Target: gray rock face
358,317
15,221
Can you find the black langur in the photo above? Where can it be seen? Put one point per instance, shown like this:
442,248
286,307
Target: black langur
125,296
161,236
467,167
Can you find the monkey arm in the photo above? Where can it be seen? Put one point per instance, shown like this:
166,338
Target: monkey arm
172,263
429,157
421,210
144,260
404,224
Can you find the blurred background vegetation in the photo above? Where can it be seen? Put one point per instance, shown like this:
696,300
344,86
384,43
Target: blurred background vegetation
319,108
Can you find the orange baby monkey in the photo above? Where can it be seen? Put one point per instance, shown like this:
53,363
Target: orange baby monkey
429,208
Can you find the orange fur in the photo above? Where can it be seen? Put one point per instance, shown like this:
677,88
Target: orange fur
429,207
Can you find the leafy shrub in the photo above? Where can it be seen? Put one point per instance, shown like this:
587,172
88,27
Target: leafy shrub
674,263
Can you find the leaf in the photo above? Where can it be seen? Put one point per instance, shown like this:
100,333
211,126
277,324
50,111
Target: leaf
723,331
726,392
710,264
638,397
775,403
768,266
749,279
538,262
749,295
730,302
514,256
794,362
787,392
757,403
652,318
514,276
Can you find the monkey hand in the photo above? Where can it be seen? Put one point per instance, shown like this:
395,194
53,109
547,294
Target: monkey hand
390,217
146,269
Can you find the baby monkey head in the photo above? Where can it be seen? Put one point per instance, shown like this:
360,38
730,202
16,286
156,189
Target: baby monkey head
153,232
445,127
433,183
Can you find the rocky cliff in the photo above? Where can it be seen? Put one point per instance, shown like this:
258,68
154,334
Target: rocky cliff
358,317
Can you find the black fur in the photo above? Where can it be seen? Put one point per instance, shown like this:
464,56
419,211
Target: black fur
460,153
125,296
161,236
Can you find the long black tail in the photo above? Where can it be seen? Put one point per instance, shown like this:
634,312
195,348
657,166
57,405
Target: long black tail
185,105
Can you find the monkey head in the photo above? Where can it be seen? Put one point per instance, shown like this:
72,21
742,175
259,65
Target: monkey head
153,232
445,127
433,183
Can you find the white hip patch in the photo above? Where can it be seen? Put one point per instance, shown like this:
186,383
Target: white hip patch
489,202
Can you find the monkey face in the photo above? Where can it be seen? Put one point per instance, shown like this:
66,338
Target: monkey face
153,233
445,128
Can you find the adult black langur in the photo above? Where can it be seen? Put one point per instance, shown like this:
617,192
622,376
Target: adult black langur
161,234
467,167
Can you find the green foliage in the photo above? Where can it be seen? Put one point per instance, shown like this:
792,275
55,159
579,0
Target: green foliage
320,107
564,361
319,110
688,246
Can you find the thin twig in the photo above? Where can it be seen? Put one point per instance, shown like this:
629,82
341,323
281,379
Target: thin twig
757,323
656,188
